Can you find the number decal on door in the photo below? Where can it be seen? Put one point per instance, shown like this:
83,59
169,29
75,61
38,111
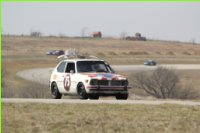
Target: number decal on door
67,82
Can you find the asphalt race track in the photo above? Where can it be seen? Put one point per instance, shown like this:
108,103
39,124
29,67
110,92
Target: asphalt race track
42,75
77,101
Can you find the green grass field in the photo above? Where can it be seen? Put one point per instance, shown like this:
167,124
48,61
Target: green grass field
102,118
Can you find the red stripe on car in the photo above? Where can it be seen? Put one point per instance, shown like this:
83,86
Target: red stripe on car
103,78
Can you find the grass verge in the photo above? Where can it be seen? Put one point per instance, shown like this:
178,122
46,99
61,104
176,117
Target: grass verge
109,118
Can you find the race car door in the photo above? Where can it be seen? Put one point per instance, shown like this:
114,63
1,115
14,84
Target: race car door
69,79
60,76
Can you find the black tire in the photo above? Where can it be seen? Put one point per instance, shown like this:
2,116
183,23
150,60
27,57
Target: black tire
55,92
94,97
82,92
122,96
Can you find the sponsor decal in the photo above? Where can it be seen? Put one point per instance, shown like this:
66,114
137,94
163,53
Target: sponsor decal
90,75
67,82
105,76
115,78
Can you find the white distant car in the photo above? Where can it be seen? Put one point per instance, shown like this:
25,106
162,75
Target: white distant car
87,78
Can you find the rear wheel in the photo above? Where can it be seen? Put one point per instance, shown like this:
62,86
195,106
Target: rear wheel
122,96
82,92
55,92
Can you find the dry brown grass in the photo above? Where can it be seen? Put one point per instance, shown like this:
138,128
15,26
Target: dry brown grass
138,53
170,53
20,53
12,83
84,118
116,51
30,90
187,78
186,53
112,53
38,46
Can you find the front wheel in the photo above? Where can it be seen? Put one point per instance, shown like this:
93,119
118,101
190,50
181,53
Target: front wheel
122,96
82,92
55,92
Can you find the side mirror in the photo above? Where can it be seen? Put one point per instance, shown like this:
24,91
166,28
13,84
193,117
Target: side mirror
72,71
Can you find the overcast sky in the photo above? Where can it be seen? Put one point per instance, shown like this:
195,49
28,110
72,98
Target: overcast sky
167,21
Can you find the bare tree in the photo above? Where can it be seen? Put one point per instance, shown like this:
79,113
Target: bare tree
186,92
160,84
61,35
193,41
2,31
83,31
123,35
35,34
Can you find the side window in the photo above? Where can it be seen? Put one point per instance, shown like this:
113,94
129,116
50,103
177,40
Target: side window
70,66
61,67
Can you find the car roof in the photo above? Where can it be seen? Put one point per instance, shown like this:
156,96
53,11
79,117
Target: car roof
149,60
75,60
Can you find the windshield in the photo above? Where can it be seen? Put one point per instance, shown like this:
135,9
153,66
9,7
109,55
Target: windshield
92,66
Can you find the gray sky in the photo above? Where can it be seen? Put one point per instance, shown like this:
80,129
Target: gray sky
167,21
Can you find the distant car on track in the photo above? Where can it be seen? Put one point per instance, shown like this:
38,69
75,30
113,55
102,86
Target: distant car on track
150,63
55,52
59,52
50,52
87,78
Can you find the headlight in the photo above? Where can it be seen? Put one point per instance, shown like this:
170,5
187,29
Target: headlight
125,83
93,82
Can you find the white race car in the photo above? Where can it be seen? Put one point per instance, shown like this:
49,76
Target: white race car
87,78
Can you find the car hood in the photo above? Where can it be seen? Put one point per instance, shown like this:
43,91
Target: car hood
104,76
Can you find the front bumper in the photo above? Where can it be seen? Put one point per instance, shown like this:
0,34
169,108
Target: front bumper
108,89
